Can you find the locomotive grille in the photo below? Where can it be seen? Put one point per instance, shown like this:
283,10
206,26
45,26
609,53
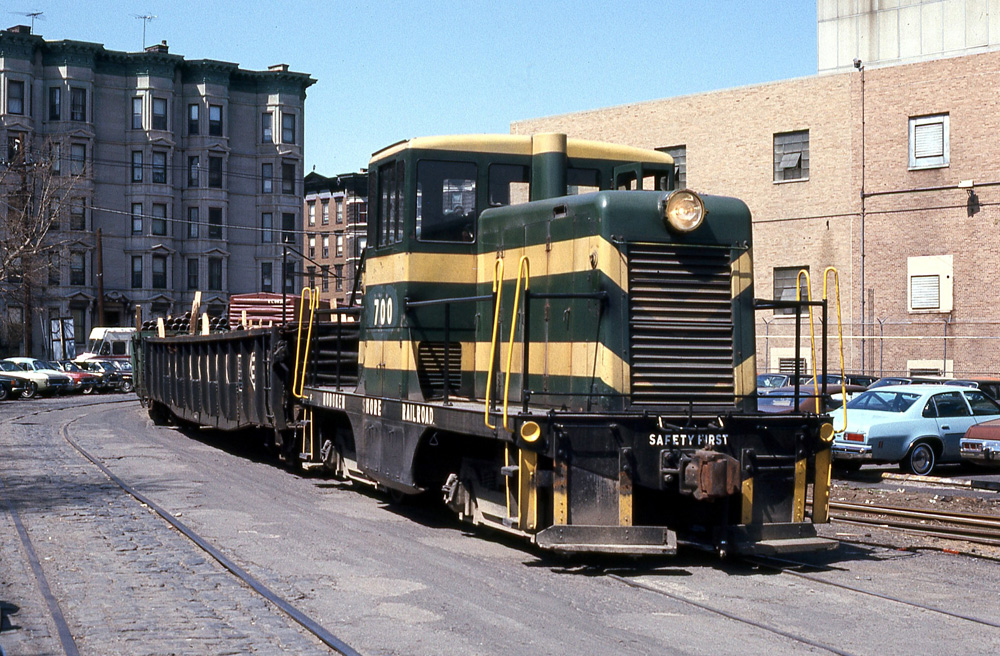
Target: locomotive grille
681,326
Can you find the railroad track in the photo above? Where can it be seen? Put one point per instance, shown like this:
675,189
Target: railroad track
65,635
981,529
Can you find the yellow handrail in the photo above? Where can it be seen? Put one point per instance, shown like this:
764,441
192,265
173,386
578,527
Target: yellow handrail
522,267
812,329
298,381
497,287
840,334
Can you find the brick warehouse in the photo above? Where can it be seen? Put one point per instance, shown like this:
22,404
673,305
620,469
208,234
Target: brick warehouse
890,174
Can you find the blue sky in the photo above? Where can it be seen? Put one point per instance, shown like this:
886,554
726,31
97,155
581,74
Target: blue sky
392,69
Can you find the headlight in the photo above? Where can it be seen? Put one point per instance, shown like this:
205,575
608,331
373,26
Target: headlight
683,210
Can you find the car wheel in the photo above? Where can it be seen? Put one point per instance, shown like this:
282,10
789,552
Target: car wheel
921,459
31,391
127,386
3,393
88,389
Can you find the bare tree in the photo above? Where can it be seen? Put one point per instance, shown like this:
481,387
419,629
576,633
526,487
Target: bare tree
34,201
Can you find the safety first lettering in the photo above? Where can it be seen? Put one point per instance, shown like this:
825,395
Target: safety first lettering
688,439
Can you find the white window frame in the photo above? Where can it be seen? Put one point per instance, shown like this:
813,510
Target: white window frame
933,160
926,267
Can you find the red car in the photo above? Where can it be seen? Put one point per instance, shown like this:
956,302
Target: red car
83,381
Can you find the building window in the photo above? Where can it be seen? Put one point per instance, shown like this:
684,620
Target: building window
287,128
312,212
137,113
215,120
215,223
265,127
290,277
55,103
193,169
159,167
136,166
136,272
930,287
137,219
288,177
312,245
55,275
266,228
266,277
338,273
326,279
326,212
340,210
215,172
215,273
77,269
78,104
78,214
158,224
679,153
929,142
15,97
287,228
266,178
15,146
785,286
159,272
340,246
192,222
312,276
791,156
55,158
159,113
77,158
193,127
192,272
326,246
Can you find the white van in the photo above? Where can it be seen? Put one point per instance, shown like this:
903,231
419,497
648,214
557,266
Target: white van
109,343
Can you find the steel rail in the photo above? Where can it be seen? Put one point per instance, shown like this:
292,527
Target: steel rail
979,529
729,615
782,565
987,521
310,625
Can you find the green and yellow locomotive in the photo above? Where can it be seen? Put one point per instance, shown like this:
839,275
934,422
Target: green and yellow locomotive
551,336
563,344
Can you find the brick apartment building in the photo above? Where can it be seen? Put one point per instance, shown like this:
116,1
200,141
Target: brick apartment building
190,169
887,169
335,227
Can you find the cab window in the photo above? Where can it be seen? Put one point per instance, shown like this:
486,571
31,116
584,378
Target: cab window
582,181
509,184
446,201
389,225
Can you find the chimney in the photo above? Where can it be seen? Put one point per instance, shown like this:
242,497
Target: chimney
278,68
161,47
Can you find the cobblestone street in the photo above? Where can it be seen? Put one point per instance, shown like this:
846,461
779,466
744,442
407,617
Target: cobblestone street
125,580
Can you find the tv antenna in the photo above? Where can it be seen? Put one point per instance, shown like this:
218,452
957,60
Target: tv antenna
145,18
32,15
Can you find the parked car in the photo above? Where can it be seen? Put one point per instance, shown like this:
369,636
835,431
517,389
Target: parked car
124,367
981,443
39,380
12,386
781,399
917,426
767,382
908,380
110,376
84,381
989,385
